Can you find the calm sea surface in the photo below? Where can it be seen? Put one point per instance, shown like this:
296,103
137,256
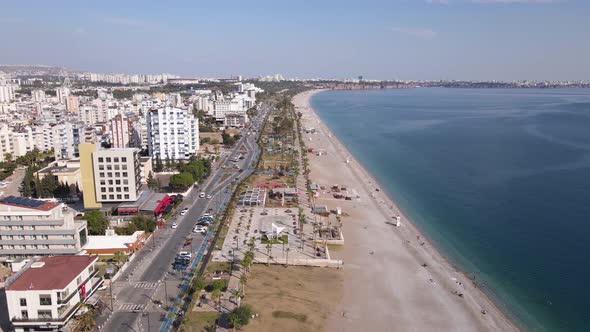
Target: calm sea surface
498,179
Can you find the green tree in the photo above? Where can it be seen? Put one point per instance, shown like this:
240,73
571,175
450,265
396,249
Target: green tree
86,322
153,183
48,185
182,181
240,316
120,258
243,281
97,222
158,166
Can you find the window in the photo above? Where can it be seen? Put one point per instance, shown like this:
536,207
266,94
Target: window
124,159
104,196
110,181
124,167
103,189
101,167
125,188
124,174
102,182
44,314
117,181
116,167
100,159
111,196
125,181
116,159
24,314
108,159
23,302
117,174
119,196
126,196
79,280
101,174
109,167
91,269
118,189
110,189
45,299
109,174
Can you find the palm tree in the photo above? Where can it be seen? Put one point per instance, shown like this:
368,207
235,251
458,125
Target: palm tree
243,281
120,257
216,295
86,321
268,249
235,321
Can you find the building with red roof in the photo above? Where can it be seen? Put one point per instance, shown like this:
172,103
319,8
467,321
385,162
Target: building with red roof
47,292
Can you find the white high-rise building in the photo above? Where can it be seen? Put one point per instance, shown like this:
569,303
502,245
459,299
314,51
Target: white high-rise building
62,93
124,132
66,137
6,93
38,95
173,133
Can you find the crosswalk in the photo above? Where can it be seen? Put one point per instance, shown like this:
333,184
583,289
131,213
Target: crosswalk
130,307
148,285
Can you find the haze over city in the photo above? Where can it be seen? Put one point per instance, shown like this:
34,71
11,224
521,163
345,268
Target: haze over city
418,39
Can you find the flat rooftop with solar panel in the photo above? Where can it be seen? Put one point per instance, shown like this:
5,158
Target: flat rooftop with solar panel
32,227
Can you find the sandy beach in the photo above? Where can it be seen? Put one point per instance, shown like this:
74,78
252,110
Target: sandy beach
394,280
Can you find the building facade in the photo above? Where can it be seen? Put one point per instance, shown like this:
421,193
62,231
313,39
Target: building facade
48,292
30,227
173,133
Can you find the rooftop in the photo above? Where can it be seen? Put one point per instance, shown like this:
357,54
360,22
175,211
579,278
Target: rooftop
28,203
54,272
112,241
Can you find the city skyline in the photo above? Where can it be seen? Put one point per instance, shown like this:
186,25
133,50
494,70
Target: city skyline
503,40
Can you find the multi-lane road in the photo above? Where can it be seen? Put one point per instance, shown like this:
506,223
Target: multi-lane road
149,278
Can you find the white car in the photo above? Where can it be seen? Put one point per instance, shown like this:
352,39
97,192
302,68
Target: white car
185,254
102,287
174,225
208,196
202,195
200,229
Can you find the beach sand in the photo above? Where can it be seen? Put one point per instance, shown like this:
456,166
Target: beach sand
386,287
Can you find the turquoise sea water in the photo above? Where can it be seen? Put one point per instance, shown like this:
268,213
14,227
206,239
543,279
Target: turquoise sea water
498,179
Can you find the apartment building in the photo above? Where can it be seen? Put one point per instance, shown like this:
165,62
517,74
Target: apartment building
46,294
30,227
173,133
109,175
124,132
66,137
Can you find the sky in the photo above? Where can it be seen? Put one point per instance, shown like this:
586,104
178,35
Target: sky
396,39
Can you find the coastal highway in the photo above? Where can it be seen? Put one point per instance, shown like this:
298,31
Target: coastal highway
149,277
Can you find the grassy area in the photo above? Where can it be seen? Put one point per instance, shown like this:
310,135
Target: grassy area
198,321
289,315
217,266
280,240
291,298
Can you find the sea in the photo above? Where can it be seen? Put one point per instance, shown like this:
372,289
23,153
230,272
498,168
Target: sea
498,179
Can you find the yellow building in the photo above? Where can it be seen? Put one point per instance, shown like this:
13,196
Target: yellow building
86,168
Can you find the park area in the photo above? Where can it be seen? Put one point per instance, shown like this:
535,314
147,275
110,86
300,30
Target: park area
290,299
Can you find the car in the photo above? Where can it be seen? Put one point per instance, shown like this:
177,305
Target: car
200,229
102,287
174,225
208,196
202,195
184,211
184,254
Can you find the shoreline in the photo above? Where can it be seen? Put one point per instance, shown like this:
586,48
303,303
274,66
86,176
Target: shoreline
413,250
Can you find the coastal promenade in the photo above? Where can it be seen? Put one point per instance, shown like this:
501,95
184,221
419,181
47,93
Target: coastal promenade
394,279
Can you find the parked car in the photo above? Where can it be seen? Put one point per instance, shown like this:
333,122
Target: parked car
202,195
208,196
200,229
185,254
184,211
174,225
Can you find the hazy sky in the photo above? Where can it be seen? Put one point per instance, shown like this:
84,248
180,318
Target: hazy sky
395,39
